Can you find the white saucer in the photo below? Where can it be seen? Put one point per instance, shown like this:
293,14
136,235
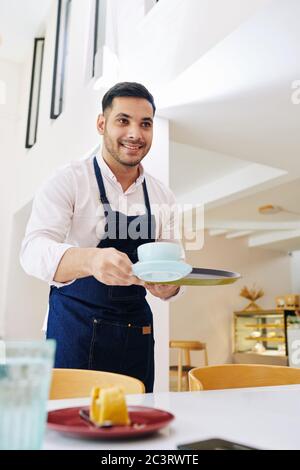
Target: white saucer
161,271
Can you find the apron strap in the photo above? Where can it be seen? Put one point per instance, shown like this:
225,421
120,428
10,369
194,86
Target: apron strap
151,230
105,201
147,202
103,197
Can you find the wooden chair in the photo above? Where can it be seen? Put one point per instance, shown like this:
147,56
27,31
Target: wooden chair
241,376
77,383
184,349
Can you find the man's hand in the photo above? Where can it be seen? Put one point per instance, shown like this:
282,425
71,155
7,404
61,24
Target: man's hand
162,291
112,267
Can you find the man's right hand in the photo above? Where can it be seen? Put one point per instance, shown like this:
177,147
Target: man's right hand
112,267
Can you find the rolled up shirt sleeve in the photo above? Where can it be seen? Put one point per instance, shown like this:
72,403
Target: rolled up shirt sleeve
44,243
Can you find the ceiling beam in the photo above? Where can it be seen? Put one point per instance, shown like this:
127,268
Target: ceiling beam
269,238
217,232
239,234
235,183
239,225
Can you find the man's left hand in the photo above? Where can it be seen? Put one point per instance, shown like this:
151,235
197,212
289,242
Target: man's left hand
162,291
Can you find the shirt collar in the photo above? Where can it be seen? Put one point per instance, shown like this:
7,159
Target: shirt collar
106,171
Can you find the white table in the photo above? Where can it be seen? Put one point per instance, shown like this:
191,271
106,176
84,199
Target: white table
266,418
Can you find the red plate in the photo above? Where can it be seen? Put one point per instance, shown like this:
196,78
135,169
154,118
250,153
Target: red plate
144,421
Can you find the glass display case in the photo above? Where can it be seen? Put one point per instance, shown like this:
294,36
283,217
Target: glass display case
260,336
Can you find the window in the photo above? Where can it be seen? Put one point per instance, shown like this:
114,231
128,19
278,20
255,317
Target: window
35,90
62,32
99,37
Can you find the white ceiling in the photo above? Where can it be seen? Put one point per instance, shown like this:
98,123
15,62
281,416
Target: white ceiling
287,196
236,100
231,114
20,22
175,34
192,167
279,232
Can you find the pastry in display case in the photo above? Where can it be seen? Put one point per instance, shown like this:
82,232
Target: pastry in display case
261,336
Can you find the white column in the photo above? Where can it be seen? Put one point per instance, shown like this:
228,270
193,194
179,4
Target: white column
26,298
157,163
9,84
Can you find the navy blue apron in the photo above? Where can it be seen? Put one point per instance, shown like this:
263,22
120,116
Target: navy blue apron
102,327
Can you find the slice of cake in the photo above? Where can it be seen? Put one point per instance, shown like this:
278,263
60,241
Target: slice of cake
109,405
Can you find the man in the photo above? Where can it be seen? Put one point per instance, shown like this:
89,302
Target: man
75,240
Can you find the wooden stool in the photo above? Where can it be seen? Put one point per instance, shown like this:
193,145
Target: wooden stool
184,348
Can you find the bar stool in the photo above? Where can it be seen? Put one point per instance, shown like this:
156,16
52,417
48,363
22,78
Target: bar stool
181,370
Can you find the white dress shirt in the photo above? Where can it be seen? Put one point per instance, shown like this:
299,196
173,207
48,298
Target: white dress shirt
67,213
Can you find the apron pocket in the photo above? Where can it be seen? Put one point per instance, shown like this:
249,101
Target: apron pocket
123,349
139,358
108,345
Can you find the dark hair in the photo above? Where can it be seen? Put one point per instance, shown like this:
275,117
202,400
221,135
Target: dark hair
126,89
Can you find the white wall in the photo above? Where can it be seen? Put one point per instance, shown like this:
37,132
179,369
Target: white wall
157,163
69,137
26,297
9,75
206,313
73,133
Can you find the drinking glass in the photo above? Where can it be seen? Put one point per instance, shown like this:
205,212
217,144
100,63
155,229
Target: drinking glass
25,374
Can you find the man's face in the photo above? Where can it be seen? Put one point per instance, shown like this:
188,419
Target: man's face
127,129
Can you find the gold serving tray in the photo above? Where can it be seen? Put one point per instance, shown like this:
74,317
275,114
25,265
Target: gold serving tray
205,277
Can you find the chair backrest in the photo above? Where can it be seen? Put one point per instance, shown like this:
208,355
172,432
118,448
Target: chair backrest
77,383
241,376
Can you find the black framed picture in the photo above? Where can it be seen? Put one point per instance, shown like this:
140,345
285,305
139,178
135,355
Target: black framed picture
61,45
35,91
99,37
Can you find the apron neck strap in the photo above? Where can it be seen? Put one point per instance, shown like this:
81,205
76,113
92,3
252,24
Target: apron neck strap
147,202
99,178
103,196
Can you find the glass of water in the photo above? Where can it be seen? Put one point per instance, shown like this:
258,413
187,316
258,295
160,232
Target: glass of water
25,374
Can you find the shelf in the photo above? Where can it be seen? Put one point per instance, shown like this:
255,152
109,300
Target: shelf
257,317
266,325
266,339
271,352
274,312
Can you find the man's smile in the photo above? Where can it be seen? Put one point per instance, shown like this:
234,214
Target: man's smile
132,147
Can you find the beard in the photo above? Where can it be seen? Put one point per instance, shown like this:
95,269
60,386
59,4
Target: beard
113,149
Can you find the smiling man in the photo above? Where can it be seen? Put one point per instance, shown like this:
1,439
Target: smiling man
78,239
